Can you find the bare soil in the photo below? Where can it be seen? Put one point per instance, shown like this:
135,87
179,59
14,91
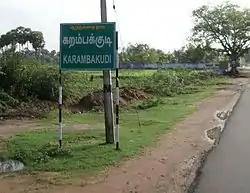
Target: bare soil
92,101
10,127
14,126
165,168
28,109
96,99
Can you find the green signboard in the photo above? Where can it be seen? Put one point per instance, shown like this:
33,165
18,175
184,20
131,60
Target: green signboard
87,46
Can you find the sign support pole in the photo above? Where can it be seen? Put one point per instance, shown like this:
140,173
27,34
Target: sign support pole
107,89
117,95
60,108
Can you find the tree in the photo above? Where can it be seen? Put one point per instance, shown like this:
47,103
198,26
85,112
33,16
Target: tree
227,25
37,40
199,53
21,36
143,54
191,53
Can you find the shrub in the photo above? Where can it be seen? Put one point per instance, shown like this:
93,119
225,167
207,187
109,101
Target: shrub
172,82
25,79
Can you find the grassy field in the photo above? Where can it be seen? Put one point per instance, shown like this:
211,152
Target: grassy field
158,83
174,97
78,83
125,73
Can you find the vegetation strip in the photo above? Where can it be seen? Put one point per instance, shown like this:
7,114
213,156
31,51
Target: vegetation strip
84,150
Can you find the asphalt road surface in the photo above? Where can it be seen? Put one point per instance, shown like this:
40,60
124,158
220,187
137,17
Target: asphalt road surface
227,169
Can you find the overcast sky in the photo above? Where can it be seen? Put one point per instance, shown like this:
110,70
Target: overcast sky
164,24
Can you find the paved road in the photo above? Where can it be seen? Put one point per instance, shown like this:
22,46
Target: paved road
227,169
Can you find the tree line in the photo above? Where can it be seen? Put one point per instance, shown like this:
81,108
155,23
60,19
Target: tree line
220,33
191,53
30,43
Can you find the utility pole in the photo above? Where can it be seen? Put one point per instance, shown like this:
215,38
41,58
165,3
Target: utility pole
107,89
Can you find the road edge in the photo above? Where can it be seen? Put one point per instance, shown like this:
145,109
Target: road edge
202,157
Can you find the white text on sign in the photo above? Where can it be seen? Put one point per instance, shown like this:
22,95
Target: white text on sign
87,59
99,41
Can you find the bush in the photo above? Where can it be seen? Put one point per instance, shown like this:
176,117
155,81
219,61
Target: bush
5,101
172,82
25,79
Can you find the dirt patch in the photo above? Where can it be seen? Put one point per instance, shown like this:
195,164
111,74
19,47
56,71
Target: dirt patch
32,109
10,127
77,127
14,126
236,86
95,100
132,94
165,168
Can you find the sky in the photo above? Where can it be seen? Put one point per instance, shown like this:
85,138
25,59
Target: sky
163,24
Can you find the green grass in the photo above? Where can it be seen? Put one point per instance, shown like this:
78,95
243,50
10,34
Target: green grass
157,82
174,95
78,84
83,151
122,73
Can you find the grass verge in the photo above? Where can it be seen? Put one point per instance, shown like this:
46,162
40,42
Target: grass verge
84,152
